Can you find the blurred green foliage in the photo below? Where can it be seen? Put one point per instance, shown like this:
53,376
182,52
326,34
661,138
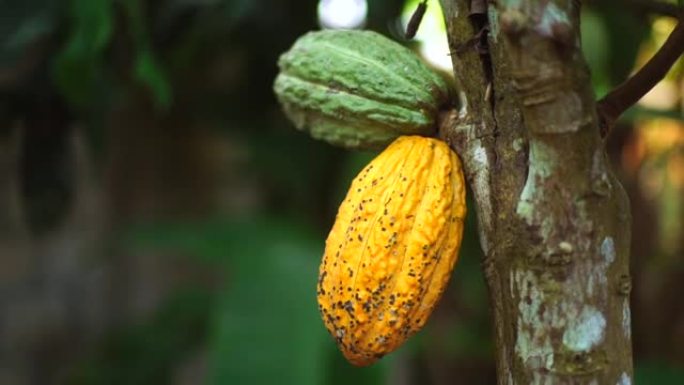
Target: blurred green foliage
147,69
655,373
148,353
265,327
79,66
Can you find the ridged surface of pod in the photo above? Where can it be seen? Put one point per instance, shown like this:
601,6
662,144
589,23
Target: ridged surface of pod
358,89
391,251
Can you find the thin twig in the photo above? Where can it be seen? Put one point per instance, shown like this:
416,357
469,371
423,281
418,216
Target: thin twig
631,90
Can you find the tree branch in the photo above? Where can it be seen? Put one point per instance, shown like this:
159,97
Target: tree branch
611,106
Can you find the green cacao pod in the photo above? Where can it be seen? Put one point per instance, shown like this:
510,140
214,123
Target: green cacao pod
358,89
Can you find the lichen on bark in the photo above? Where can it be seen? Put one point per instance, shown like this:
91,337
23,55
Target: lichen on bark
553,219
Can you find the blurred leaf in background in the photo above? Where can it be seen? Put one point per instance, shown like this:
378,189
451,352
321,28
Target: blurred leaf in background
148,353
657,373
79,66
625,28
596,48
147,69
265,325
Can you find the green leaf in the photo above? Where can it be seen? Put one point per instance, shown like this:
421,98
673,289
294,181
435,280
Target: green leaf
149,73
625,31
596,49
267,329
77,67
147,69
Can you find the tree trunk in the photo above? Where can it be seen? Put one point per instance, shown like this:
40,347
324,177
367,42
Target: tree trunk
553,219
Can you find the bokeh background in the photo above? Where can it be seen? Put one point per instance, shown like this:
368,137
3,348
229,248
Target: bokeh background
161,222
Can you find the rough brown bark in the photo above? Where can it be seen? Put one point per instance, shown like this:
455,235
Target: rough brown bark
553,220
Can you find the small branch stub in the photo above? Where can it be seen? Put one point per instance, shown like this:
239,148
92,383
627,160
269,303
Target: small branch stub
415,20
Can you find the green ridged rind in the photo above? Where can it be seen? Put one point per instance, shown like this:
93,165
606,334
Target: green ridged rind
347,119
358,89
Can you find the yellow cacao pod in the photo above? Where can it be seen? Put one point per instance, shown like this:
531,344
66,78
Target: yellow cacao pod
391,251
